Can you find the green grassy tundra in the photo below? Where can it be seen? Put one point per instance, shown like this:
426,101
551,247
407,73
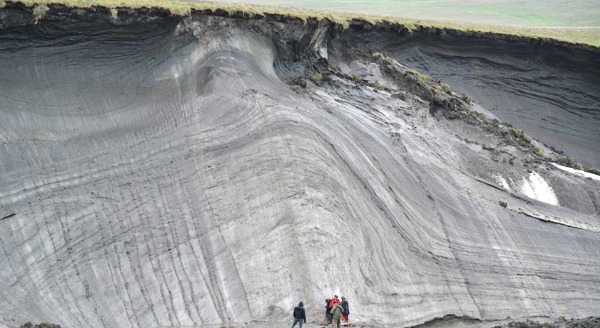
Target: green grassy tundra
576,21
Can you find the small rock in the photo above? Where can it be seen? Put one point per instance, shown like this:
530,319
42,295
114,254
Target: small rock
301,82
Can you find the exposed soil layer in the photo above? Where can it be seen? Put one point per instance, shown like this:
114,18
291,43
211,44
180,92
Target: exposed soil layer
214,170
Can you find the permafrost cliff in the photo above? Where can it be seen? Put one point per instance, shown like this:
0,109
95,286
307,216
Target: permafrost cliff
169,171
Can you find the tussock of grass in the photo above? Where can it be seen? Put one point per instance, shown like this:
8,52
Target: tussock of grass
317,78
520,135
39,12
420,77
540,152
478,116
389,60
569,162
2,3
355,77
590,36
446,87
381,86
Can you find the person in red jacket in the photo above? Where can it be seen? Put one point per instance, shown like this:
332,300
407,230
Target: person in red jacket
333,301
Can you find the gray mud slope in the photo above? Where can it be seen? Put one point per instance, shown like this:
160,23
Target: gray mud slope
160,171
550,90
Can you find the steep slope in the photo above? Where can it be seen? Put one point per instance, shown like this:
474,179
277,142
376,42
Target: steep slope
165,171
550,90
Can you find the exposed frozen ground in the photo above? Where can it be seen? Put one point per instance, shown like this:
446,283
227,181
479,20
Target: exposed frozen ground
554,95
159,171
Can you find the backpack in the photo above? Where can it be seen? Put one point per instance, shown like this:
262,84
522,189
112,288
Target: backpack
298,312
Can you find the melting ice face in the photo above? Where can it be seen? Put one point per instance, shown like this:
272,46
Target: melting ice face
537,188
533,187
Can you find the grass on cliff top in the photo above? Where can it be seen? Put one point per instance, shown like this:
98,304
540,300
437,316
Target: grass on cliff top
589,36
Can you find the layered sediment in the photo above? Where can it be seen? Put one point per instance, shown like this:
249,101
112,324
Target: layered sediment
550,89
183,171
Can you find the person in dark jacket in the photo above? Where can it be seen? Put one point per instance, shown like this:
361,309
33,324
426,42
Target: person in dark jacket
299,315
346,308
327,309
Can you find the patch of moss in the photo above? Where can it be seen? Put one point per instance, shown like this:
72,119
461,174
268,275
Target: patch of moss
317,78
487,121
39,12
468,100
355,77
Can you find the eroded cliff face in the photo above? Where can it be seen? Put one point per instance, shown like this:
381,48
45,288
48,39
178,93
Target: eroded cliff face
549,89
165,171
